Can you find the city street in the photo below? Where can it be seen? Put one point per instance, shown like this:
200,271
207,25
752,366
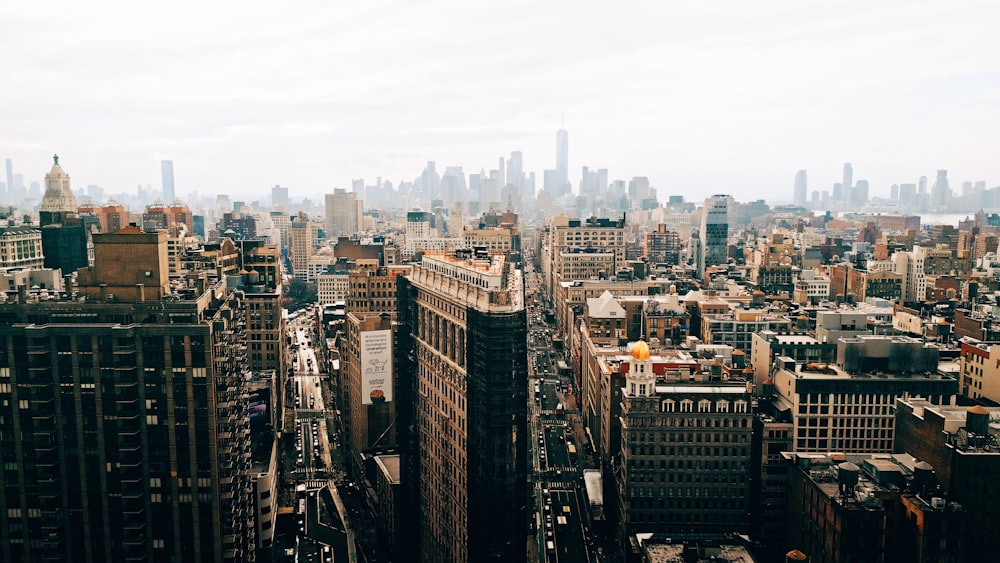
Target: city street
314,461
558,531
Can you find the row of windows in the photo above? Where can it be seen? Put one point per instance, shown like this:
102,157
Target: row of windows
825,445
875,422
639,438
694,451
687,422
704,406
844,433
707,492
663,469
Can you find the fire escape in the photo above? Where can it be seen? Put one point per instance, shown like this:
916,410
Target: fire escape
232,395
44,435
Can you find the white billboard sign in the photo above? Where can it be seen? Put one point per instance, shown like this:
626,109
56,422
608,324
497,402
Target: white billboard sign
376,367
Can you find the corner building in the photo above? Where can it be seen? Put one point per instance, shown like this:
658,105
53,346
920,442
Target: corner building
685,451
466,458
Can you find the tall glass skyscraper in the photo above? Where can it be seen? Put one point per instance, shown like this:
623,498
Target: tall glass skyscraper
562,161
714,232
167,177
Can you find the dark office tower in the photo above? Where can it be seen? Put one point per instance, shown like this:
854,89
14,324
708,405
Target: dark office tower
279,197
799,196
167,177
848,181
123,424
562,161
467,453
198,222
714,232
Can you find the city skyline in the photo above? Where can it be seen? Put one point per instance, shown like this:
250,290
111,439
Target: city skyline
718,99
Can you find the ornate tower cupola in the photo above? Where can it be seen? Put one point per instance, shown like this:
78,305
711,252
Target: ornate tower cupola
58,201
640,381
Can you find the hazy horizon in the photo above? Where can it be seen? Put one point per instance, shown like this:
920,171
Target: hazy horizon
699,98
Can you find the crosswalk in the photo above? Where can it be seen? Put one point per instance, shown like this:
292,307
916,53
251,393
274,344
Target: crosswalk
559,485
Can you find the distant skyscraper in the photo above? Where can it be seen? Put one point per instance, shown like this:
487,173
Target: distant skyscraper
848,182
279,197
714,232
9,196
859,193
515,170
453,186
940,192
588,182
430,181
838,192
343,214
638,190
562,161
801,188
167,178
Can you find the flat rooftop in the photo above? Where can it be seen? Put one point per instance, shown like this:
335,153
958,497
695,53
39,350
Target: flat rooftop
834,371
493,264
389,466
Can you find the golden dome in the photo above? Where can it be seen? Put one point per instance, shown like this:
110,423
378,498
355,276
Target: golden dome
640,351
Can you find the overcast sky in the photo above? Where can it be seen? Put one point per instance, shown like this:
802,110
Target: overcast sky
701,97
